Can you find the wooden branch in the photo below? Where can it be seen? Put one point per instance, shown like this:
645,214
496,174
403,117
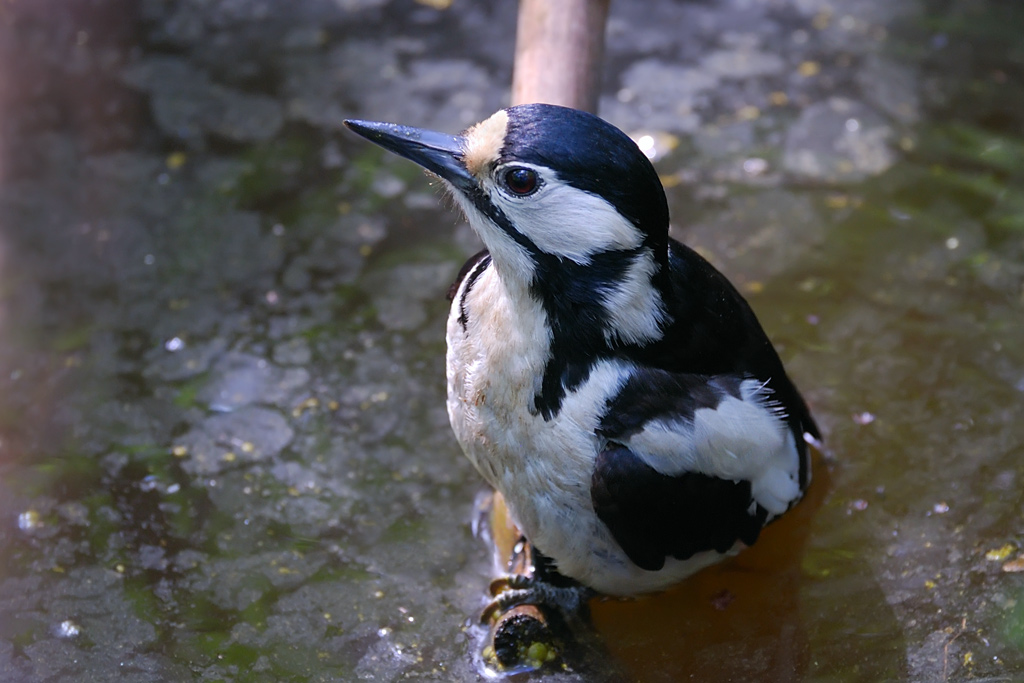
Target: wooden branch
559,47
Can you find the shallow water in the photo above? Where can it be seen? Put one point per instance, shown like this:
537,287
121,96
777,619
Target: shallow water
224,453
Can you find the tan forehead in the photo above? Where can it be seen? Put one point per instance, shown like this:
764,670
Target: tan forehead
484,142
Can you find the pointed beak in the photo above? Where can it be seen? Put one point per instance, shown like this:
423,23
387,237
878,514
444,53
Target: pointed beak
439,153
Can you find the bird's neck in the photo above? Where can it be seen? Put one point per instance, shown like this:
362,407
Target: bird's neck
592,312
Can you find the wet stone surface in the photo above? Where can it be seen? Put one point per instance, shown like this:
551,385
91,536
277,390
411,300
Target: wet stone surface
224,450
186,105
838,141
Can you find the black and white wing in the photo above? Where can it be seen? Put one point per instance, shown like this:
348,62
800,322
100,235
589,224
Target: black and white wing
705,439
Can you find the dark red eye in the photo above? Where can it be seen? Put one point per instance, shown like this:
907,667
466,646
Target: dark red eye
521,181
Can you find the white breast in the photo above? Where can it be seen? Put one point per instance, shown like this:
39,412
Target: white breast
543,468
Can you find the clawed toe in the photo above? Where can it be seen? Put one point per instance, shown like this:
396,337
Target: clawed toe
504,601
516,589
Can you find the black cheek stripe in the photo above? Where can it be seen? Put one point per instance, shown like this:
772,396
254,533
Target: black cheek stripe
478,270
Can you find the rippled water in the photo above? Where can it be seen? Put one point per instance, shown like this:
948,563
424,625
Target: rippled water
224,453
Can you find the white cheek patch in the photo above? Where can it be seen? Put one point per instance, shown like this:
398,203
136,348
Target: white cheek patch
565,221
636,312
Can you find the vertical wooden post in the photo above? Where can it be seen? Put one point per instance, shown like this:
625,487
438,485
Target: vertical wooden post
559,47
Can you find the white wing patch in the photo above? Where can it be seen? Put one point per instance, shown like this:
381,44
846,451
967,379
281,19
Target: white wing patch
742,438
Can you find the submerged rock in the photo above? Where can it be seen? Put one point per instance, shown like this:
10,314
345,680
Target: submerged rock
744,62
838,141
892,87
659,95
224,441
172,364
187,105
240,379
402,295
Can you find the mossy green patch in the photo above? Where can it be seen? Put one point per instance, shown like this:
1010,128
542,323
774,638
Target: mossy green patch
1013,625
273,171
66,476
74,339
188,391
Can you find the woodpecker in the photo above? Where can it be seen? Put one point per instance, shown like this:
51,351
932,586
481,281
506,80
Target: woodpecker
614,387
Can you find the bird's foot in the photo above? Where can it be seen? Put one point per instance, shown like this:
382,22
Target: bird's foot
532,622
516,589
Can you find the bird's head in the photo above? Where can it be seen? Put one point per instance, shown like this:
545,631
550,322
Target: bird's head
569,207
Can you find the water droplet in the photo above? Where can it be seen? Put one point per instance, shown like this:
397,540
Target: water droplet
29,520
68,629
755,166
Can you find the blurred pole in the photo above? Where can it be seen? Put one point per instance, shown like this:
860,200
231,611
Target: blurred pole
559,48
